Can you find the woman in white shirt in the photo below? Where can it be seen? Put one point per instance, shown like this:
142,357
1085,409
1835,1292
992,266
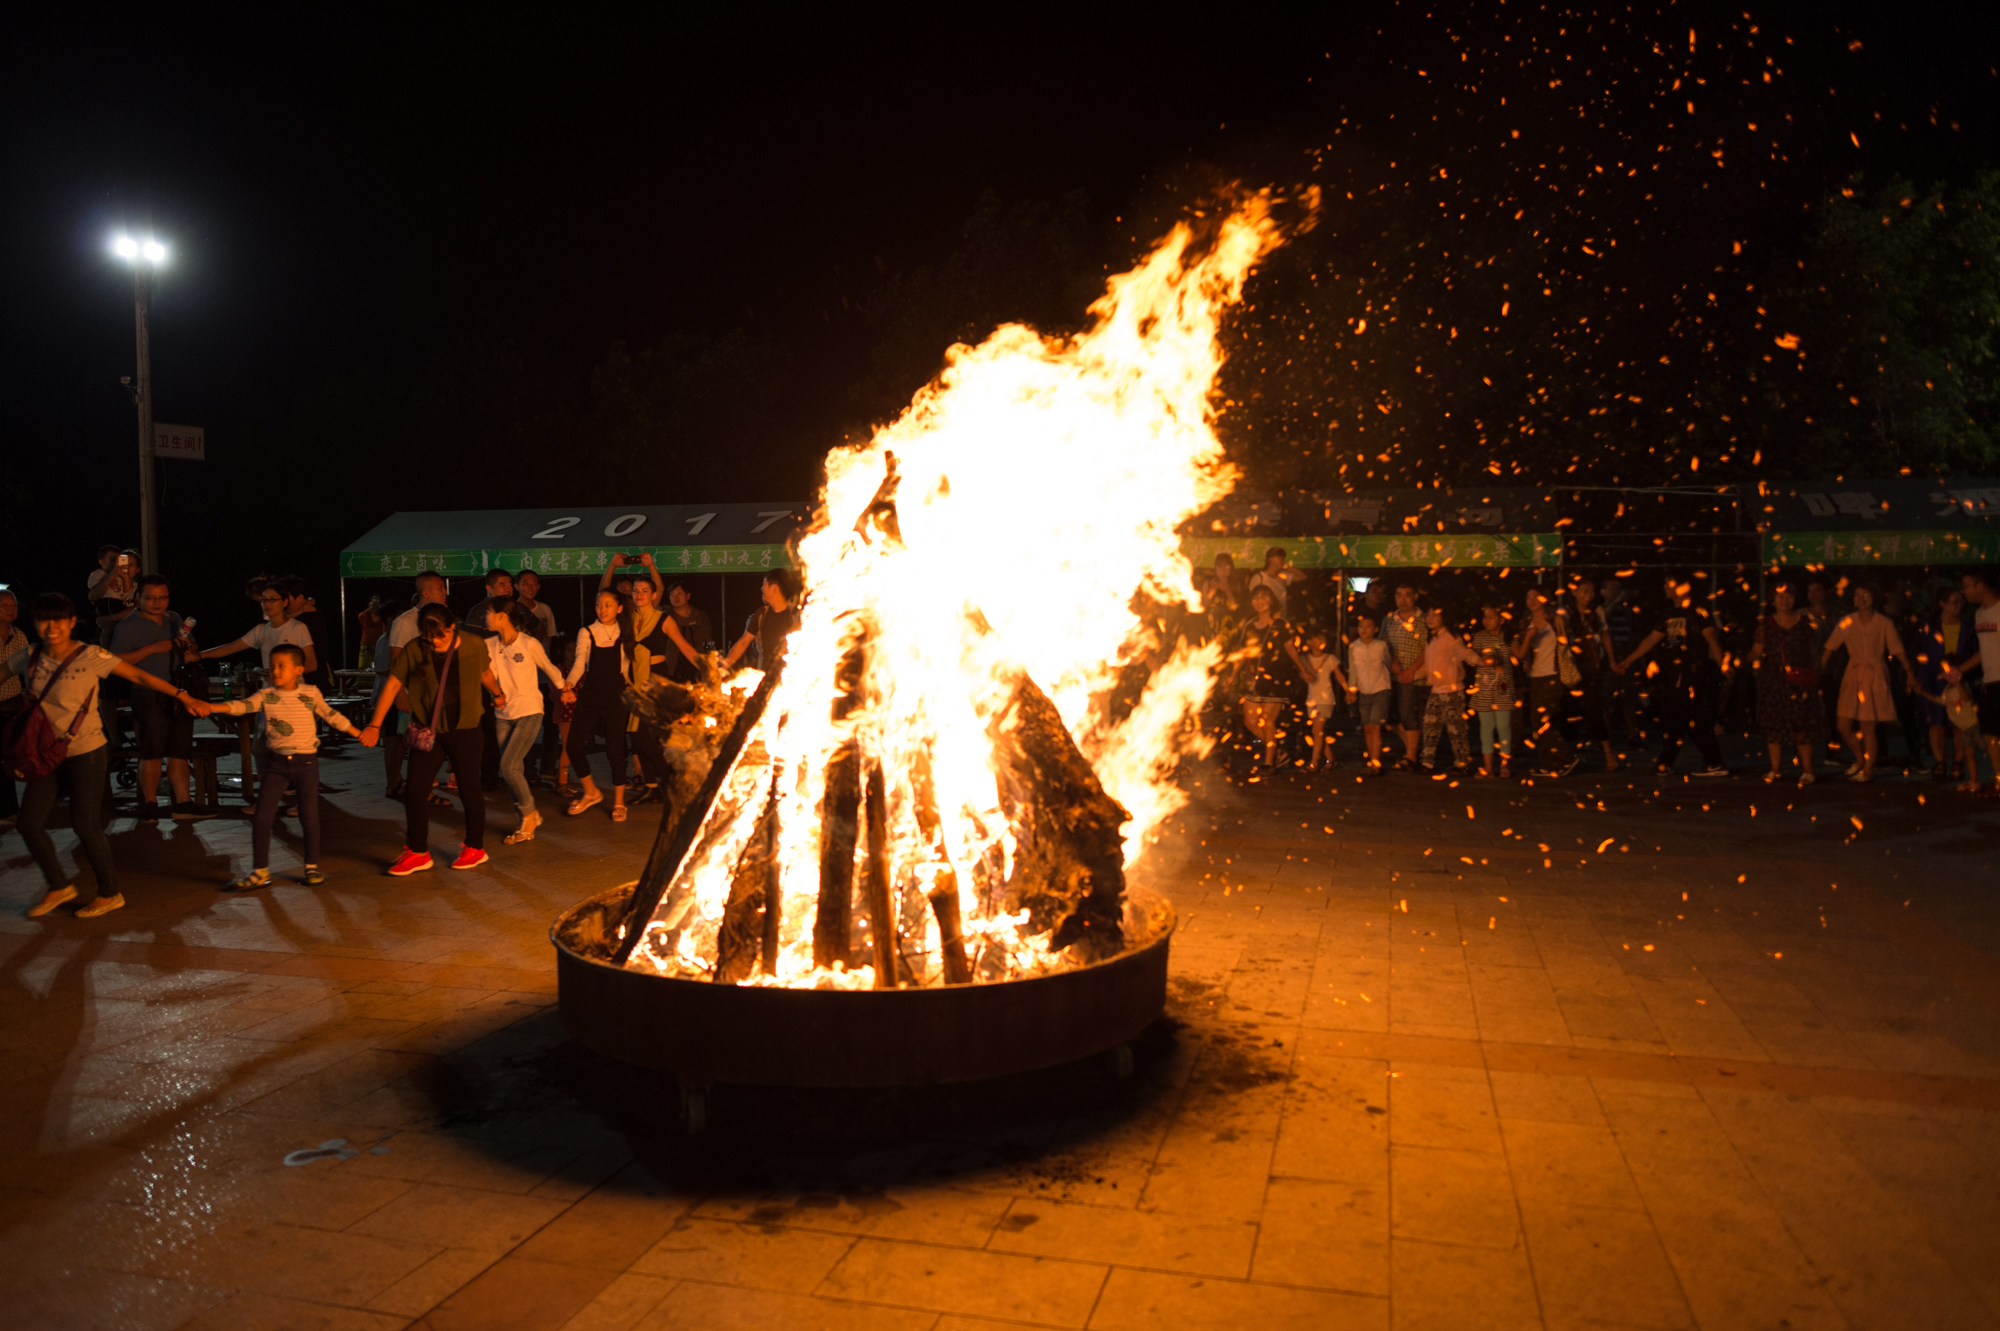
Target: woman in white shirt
64,676
518,658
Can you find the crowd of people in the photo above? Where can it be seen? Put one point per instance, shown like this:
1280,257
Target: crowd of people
1551,677
1435,675
499,694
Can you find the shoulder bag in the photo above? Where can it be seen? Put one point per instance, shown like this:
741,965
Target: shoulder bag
33,748
423,738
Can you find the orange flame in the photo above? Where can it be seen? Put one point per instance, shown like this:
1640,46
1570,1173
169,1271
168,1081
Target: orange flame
1042,483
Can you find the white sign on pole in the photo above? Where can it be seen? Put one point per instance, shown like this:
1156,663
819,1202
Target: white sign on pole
180,441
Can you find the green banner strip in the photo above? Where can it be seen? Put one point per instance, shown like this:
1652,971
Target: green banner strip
1532,550
1881,547
573,562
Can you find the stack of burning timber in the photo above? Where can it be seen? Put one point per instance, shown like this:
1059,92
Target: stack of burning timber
873,921
941,789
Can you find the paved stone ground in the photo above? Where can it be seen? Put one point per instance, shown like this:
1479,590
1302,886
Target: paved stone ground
1594,1053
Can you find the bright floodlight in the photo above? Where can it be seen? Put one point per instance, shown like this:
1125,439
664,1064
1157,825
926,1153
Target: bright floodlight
125,247
156,252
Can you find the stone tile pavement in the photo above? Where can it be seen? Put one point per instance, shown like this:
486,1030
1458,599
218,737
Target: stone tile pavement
1597,1053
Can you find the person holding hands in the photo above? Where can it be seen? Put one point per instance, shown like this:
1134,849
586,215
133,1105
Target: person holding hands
61,676
289,707
443,671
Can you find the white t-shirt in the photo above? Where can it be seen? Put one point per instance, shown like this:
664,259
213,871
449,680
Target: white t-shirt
1989,643
514,668
76,687
1368,666
288,715
268,635
1319,693
1542,659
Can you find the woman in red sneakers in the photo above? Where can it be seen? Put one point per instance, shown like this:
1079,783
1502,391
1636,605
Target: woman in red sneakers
451,716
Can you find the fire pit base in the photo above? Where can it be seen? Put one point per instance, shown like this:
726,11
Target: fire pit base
705,1032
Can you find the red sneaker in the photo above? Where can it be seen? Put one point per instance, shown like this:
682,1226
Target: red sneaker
410,862
470,858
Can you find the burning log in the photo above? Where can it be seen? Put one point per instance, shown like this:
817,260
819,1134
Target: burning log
677,834
833,924
951,930
1070,871
881,908
751,904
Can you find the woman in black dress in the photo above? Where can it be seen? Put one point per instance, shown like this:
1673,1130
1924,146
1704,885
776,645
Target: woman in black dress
1265,642
1789,707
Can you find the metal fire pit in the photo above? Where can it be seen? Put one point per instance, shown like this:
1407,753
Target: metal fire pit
705,1032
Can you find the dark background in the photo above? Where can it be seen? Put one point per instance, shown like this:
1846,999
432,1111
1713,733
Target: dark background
487,262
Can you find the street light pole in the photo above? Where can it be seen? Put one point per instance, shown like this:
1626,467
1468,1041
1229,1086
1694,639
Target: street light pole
149,535
144,256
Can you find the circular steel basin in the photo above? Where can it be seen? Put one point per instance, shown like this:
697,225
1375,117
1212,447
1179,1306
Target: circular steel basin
752,1035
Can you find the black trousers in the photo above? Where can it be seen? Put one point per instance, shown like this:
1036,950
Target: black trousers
1687,710
84,776
594,714
463,747
1548,699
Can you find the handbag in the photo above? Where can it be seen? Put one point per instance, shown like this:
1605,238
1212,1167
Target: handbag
422,738
1566,669
33,748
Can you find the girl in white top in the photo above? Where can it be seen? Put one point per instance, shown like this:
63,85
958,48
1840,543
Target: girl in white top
1324,668
64,675
1369,684
518,658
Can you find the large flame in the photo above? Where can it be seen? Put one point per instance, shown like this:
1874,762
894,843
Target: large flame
1040,486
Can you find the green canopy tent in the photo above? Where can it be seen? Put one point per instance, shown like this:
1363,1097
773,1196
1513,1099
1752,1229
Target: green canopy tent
1357,533
575,542
1902,521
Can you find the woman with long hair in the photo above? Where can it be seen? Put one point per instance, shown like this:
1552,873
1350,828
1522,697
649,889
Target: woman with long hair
1263,643
520,664
444,672
1789,710
64,677
596,682
1866,699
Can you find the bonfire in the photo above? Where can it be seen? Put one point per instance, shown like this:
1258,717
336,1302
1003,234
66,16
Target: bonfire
936,788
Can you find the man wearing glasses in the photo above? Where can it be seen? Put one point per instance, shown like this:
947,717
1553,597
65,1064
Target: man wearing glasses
278,627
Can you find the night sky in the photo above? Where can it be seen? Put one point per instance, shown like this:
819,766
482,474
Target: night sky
343,195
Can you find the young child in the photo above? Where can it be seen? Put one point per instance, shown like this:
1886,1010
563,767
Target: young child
1493,692
291,743
1325,668
1369,684
1445,659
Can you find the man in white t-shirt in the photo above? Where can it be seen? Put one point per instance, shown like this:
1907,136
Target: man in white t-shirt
1279,576
278,626
431,590
1980,591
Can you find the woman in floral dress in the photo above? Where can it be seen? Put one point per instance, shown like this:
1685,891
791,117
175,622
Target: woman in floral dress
1790,711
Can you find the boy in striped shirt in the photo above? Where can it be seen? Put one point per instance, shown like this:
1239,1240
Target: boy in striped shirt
291,759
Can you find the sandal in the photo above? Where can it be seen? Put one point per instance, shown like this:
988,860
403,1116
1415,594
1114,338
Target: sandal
618,813
526,831
585,802
438,801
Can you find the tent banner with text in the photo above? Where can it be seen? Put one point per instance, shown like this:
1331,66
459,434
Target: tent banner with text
1813,548
572,562
1530,550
